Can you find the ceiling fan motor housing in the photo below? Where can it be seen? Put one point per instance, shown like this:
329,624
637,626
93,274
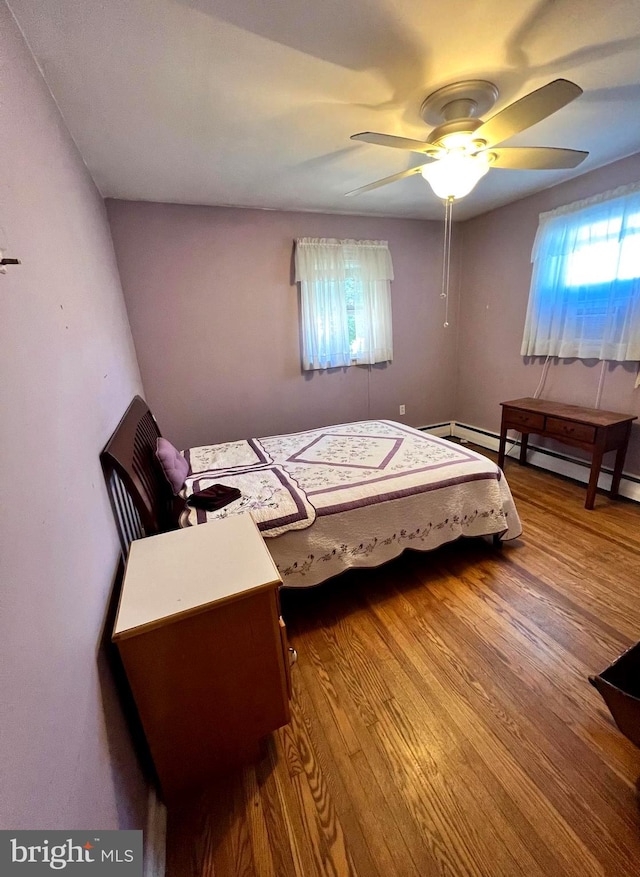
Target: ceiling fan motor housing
441,136
457,108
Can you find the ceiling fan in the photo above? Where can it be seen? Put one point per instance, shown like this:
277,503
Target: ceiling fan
462,148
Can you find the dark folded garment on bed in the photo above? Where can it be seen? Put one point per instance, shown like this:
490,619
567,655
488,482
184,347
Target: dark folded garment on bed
213,498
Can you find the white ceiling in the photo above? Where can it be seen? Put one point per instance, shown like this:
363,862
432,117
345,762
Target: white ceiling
251,102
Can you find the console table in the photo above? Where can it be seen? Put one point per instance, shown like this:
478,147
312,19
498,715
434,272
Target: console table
588,428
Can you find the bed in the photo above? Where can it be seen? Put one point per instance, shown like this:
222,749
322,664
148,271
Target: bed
328,499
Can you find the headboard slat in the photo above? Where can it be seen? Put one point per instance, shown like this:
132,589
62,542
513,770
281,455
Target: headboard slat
127,519
140,495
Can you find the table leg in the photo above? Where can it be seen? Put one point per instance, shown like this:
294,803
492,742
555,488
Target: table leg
596,464
524,443
617,471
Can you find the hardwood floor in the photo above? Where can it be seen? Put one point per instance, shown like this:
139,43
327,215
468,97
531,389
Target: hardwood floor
442,722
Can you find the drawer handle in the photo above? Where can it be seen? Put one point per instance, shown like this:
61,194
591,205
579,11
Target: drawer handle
293,656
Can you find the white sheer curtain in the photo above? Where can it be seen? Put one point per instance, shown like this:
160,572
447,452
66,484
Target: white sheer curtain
346,301
585,289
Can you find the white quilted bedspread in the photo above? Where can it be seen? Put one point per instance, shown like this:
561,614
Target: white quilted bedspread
370,489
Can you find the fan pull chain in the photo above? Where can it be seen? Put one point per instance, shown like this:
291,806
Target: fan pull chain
446,259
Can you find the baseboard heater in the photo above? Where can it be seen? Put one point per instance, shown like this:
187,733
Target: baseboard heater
542,458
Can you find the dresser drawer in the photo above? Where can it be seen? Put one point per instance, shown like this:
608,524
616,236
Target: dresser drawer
567,429
514,417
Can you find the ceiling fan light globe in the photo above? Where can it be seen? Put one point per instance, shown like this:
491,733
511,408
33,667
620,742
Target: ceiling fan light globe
455,175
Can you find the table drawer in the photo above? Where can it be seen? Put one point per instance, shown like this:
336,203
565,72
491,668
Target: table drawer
514,417
571,430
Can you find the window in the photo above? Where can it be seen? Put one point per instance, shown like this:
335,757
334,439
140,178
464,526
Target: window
585,289
346,302
353,293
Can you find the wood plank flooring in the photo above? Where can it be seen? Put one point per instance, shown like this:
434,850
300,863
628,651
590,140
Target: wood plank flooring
442,722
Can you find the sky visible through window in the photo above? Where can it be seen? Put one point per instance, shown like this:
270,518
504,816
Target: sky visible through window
602,256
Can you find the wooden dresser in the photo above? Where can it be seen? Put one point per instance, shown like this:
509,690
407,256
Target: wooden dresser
204,648
588,428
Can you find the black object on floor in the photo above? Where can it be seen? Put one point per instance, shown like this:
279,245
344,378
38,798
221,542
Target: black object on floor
619,685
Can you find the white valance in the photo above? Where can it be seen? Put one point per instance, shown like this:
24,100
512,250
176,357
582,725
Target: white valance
600,198
314,256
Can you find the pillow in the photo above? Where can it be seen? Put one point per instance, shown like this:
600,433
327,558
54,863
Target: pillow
174,465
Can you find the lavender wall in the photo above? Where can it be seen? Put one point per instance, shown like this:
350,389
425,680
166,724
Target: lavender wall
68,370
214,315
495,278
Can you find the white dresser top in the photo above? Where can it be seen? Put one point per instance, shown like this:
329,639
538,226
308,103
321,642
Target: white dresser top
184,570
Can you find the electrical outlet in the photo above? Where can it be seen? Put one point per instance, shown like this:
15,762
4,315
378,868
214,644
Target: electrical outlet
402,409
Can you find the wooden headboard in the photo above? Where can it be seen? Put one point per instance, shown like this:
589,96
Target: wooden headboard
141,498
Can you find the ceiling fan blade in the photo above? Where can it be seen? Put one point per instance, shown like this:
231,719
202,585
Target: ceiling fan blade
401,176
535,158
397,142
527,111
